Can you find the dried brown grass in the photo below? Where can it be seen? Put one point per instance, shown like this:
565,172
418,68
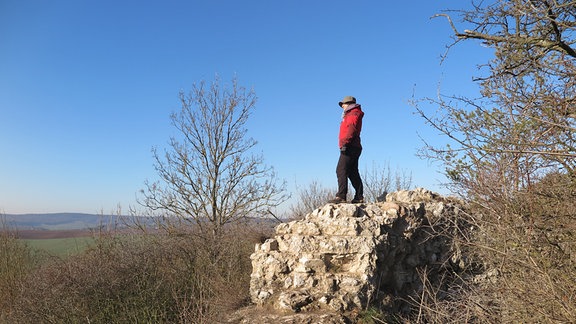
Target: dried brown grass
16,260
524,262
157,277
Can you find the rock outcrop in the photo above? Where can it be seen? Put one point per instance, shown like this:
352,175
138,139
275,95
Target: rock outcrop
343,257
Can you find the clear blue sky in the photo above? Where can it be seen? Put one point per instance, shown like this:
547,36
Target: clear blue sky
87,87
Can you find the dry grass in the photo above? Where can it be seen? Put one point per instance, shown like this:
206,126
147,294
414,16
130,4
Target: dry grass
138,278
525,249
16,260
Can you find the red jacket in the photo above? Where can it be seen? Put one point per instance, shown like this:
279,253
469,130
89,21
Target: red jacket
350,127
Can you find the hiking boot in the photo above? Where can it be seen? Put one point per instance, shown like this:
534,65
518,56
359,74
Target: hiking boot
357,201
337,200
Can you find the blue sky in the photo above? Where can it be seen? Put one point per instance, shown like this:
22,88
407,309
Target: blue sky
87,87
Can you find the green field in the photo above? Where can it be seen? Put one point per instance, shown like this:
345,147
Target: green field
60,246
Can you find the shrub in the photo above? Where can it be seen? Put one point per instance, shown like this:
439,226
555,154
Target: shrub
141,278
16,261
526,245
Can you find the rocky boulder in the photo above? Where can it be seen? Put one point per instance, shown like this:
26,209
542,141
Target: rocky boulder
342,257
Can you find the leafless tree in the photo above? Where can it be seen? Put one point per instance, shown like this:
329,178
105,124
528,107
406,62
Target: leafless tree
524,123
379,180
512,153
209,174
309,198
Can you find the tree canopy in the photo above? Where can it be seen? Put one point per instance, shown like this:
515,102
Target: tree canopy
209,174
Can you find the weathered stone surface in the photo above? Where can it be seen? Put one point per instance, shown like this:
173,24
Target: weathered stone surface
339,256
410,196
259,315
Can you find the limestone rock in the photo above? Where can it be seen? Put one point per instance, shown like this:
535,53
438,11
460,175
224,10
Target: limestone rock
341,257
252,315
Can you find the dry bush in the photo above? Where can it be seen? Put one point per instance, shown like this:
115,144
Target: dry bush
533,248
154,277
445,293
524,248
380,180
312,196
16,260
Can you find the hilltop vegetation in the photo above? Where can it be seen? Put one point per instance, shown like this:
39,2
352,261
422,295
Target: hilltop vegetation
510,154
128,278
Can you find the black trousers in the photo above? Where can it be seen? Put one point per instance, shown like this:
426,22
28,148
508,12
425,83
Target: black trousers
347,168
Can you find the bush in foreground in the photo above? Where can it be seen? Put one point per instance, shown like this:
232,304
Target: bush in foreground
16,260
142,278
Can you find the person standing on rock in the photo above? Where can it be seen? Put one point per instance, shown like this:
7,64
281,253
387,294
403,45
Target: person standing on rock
350,150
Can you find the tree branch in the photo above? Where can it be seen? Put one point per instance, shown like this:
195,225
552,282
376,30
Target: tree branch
558,46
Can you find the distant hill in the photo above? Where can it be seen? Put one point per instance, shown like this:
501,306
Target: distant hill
60,221
81,221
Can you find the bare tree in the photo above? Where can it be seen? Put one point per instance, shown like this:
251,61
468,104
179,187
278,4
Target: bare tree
523,126
310,198
208,174
524,123
378,181
512,153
